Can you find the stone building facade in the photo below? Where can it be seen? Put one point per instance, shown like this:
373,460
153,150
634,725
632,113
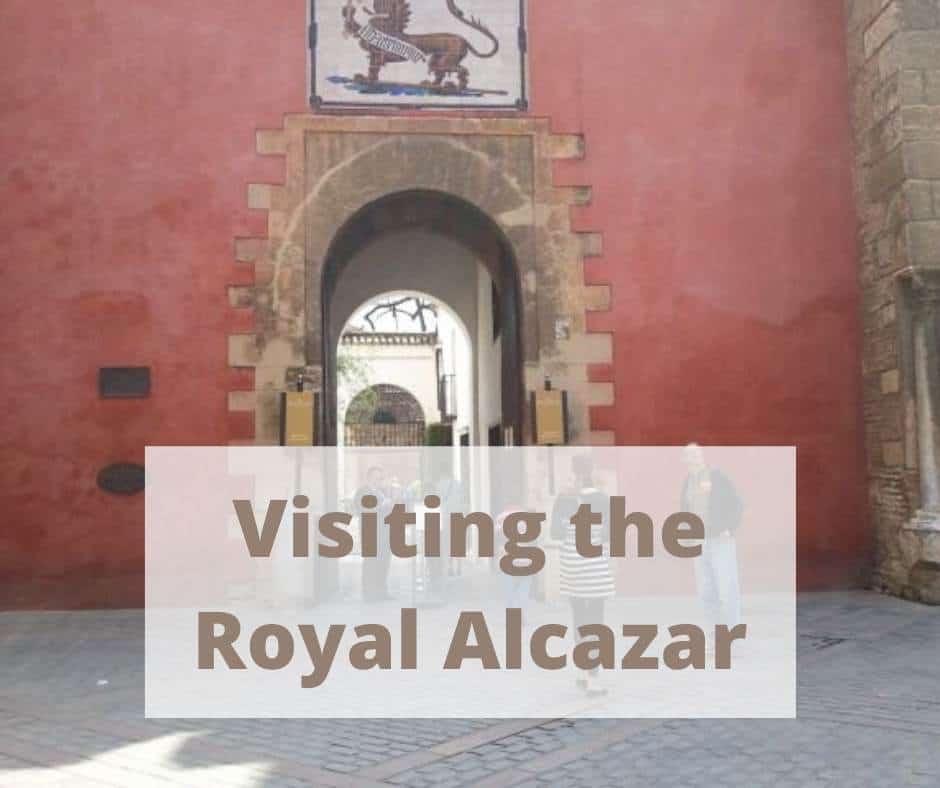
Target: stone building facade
668,214
894,62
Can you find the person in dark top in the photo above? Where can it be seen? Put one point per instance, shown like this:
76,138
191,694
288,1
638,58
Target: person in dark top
375,570
710,494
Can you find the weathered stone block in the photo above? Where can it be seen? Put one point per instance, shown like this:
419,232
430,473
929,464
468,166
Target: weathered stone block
887,316
890,382
248,250
919,14
924,243
602,438
935,190
242,401
278,224
597,298
859,14
885,98
931,79
241,297
600,394
264,274
921,122
592,244
243,350
924,582
881,29
892,255
589,348
911,87
919,199
867,80
892,453
891,57
259,196
885,136
270,142
922,160
886,175
565,146
918,49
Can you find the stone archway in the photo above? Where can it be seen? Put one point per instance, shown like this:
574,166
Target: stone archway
481,242
338,166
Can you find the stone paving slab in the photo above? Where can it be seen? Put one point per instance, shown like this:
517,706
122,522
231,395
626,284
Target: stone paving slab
71,714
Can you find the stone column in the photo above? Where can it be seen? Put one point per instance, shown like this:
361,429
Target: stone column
925,293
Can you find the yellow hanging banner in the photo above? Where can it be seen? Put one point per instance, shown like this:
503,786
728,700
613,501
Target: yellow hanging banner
550,418
298,418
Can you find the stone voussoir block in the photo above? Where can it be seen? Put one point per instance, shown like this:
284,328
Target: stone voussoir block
270,142
243,350
250,250
859,14
591,244
597,298
600,394
241,297
590,348
242,401
566,146
259,196
882,28
602,438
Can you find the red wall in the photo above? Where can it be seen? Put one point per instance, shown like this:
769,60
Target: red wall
718,153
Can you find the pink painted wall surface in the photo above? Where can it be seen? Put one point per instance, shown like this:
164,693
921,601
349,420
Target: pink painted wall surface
718,153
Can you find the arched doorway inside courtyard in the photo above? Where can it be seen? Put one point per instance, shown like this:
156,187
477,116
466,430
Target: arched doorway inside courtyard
384,415
451,253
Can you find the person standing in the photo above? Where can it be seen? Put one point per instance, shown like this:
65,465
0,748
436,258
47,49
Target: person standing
516,588
375,570
587,582
710,494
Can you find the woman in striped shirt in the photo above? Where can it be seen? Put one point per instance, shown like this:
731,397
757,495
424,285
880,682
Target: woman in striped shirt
587,582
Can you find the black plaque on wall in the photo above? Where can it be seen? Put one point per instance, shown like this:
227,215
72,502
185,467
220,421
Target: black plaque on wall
124,382
122,478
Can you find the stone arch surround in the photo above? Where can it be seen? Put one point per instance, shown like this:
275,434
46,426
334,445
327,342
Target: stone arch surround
334,167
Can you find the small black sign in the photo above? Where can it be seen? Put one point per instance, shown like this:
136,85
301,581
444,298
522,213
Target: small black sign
122,478
124,382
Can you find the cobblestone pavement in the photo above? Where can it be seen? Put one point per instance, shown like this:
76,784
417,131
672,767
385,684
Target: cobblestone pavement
71,699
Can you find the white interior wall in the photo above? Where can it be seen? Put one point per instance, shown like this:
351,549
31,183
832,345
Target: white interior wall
417,260
414,260
411,367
